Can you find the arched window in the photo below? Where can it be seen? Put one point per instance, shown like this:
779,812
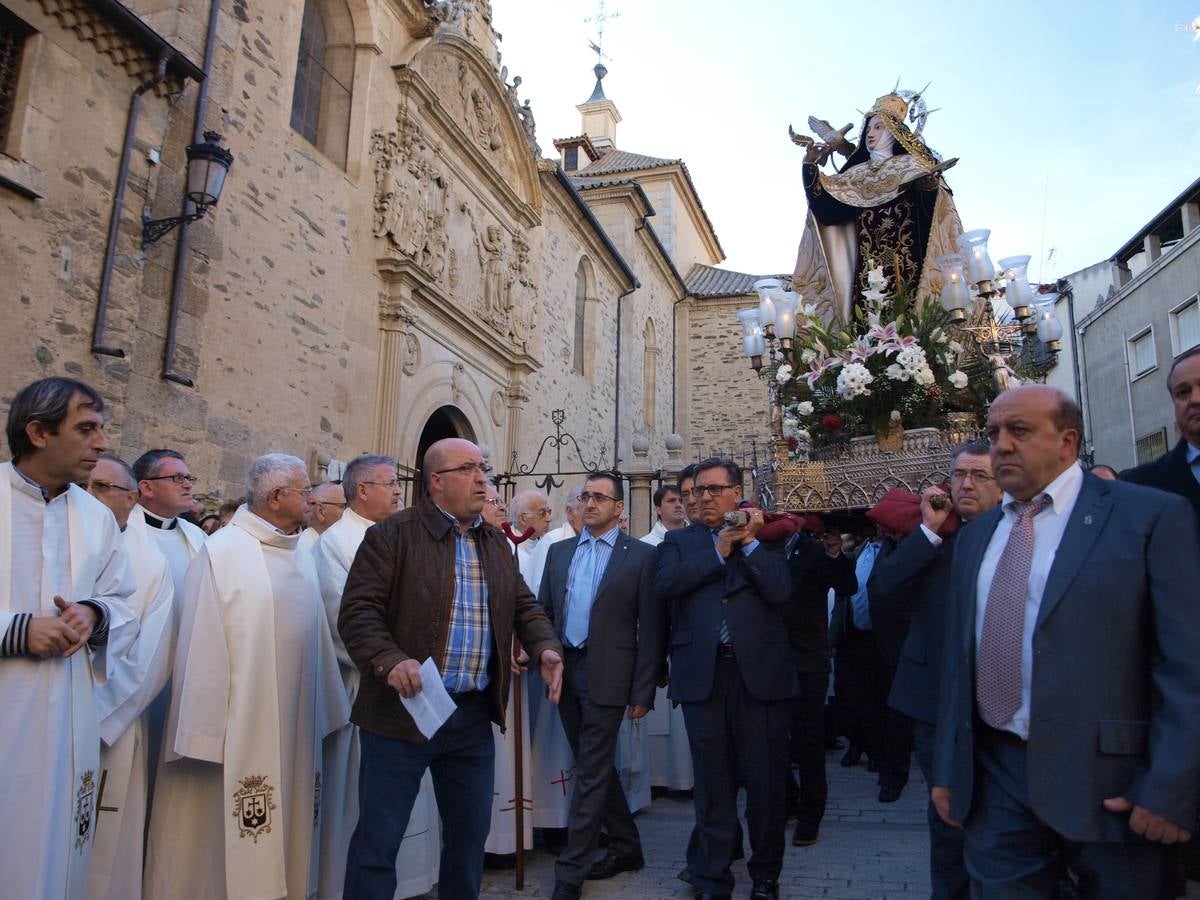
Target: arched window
649,375
581,294
324,75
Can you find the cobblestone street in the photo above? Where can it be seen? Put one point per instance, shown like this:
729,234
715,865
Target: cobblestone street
867,849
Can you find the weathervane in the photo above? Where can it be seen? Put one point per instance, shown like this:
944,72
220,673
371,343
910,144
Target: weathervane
601,19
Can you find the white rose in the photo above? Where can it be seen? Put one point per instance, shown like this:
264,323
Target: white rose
958,380
807,356
784,373
790,424
955,347
803,436
923,376
805,408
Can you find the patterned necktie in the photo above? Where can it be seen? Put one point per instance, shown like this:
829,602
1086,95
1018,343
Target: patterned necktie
998,678
579,595
724,636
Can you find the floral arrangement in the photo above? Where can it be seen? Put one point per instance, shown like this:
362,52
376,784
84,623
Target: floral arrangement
894,366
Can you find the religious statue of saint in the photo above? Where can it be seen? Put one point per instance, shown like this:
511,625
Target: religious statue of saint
888,205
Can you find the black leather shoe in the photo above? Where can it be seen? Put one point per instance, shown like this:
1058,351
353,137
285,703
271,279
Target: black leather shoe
889,793
564,891
765,889
804,837
685,875
611,865
851,757
704,895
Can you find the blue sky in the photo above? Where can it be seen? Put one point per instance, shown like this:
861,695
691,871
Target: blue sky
1088,111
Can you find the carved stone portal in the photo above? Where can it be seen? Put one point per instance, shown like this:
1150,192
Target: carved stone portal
411,195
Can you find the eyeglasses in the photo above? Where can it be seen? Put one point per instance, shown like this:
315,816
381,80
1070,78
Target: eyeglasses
685,495
713,490
98,485
588,497
387,484
467,469
495,501
541,513
304,492
328,503
180,480
976,475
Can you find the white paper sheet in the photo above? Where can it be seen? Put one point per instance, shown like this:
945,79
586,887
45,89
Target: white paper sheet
432,706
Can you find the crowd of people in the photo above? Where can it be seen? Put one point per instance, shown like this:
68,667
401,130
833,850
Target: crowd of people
229,712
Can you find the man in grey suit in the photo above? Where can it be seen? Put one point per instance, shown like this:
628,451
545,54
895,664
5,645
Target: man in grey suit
1069,720
599,592
912,582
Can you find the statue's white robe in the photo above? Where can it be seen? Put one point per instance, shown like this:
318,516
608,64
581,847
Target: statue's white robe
134,680
50,746
255,694
665,733
420,851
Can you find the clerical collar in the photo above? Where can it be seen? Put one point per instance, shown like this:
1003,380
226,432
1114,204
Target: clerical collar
157,522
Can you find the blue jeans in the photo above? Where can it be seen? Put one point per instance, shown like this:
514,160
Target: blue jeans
461,756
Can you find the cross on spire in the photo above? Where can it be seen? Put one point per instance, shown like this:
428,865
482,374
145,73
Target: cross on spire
601,19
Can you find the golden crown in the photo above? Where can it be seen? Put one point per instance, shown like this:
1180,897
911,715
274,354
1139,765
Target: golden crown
892,105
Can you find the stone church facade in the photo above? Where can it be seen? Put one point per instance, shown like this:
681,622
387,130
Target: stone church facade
394,257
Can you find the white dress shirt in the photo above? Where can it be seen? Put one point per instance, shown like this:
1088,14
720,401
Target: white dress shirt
1048,528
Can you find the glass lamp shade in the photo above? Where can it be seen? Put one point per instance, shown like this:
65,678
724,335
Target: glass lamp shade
955,295
1049,329
751,323
974,247
769,290
785,315
208,164
754,345
1017,291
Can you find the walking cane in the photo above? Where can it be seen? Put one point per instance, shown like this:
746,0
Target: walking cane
518,772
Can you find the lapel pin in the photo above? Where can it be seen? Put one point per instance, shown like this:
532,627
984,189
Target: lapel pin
1087,520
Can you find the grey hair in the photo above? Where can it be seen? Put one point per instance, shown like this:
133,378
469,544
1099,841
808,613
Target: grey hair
573,496
268,473
124,466
521,502
358,469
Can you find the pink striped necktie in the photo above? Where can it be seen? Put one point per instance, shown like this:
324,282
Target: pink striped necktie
998,675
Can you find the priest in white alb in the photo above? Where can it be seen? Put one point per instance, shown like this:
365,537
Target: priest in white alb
372,493
254,695
65,583
552,764
666,734
164,494
328,505
135,678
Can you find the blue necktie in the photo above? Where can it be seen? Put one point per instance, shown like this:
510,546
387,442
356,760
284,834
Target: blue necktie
579,594
724,636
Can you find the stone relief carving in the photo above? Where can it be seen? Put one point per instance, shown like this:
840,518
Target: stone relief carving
486,126
456,382
412,354
496,407
411,195
491,251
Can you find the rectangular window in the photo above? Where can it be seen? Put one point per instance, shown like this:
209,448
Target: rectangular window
571,159
1185,326
13,35
1141,353
1151,446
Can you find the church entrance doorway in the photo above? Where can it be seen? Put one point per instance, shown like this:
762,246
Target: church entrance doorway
445,422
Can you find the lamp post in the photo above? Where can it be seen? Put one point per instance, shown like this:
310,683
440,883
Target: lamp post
208,164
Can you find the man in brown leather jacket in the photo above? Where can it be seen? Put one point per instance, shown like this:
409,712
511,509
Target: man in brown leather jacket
433,581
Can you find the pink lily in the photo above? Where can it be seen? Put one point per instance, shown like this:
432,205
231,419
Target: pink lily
883,334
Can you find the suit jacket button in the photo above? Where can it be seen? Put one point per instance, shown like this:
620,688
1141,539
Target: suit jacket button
724,599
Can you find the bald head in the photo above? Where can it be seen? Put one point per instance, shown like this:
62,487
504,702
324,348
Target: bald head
456,478
329,502
1034,431
530,509
112,483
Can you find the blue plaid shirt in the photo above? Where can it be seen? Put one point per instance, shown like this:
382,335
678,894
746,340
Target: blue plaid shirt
469,645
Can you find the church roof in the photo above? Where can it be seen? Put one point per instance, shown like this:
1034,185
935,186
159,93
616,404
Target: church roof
618,161
709,281
624,161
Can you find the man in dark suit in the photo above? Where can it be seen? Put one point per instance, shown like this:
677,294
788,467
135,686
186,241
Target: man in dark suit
913,581
1069,720
599,593
1179,470
731,668
815,567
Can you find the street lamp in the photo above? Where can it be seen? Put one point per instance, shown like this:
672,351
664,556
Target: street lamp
785,319
955,294
753,343
1049,329
208,164
768,291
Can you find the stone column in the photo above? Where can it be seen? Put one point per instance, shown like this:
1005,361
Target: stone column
395,320
515,398
638,503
